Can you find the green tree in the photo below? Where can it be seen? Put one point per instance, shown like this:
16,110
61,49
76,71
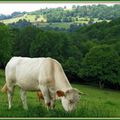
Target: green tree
23,41
103,64
5,44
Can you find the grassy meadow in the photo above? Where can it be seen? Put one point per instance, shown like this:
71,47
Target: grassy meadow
31,18
41,21
97,103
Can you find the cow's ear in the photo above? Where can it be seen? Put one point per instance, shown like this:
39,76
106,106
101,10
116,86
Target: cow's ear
60,93
81,93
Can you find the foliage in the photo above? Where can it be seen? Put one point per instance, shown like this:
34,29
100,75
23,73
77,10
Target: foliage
94,11
90,51
20,23
5,44
23,40
102,62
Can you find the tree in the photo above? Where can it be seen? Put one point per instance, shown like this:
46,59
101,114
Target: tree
23,41
102,63
21,24
40,46
50,44
5,44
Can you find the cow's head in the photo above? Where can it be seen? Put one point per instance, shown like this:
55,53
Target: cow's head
70,98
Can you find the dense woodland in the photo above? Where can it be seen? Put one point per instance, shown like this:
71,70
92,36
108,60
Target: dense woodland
89,55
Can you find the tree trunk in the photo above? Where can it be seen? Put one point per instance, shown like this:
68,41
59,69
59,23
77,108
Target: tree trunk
101,84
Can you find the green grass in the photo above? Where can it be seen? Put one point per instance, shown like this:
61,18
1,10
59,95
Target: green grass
31,18
65,25
97,103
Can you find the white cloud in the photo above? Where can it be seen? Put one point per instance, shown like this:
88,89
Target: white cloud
8,8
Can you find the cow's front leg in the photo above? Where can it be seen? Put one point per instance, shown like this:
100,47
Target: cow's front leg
24,99
52,96
46,95
52,104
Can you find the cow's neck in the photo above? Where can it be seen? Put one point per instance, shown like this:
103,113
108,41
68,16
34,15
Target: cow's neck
64,85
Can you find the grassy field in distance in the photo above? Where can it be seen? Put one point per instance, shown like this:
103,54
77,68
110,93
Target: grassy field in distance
65,25
31,18
97,103
41,21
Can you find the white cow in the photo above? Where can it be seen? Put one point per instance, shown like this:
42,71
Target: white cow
40,74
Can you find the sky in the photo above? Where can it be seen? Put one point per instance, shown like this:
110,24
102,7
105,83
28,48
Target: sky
8,8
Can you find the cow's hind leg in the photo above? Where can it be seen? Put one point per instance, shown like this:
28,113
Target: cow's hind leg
23,98
10,92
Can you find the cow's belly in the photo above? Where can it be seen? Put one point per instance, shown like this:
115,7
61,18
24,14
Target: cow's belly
28,84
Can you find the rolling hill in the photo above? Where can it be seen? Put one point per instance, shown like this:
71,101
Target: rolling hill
63,18
30,18
41,21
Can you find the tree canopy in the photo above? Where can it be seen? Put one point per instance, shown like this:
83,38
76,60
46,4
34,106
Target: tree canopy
91,53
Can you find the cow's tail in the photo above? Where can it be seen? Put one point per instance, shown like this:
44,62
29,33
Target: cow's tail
4,88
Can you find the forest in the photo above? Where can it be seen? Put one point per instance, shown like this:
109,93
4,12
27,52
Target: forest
68,15
89,55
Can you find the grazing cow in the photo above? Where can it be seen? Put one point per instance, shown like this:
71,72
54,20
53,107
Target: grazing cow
40,74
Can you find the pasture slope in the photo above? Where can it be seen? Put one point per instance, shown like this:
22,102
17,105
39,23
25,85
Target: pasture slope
97,103
41,21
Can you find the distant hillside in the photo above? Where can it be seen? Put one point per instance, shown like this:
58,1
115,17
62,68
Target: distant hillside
30,18
92,11
13,15
63,17
104,32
